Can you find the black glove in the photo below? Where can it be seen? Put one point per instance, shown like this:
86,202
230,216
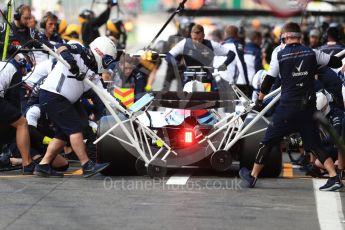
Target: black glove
74,69
79,76
259,105
222,67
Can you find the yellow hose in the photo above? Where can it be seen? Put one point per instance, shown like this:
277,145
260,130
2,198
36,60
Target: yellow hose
7,34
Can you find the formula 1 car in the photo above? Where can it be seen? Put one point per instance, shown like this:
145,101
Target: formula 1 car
192,131
137,139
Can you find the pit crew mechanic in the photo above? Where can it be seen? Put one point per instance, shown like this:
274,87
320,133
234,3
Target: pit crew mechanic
60,95
90,23
20,32
125,74
296,65
198,51
10,112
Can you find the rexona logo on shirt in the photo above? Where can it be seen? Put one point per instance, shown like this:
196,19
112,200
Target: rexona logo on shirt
299,73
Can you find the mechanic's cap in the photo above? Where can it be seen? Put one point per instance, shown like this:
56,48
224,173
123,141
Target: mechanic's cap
315,33
197,28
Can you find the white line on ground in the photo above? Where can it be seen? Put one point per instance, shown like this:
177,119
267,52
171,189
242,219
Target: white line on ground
179,179
329,208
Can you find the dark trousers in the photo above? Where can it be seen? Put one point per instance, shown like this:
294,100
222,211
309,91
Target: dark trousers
66,117
290,119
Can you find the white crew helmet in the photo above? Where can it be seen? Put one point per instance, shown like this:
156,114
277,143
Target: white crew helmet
322,103
102,46
194,86
259,78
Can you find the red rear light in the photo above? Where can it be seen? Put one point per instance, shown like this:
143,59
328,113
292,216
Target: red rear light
188,137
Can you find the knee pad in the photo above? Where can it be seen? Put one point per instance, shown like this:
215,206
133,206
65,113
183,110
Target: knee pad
263,153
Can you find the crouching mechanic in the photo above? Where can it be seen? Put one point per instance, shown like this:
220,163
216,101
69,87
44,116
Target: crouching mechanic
40,132
335,116
296,65
10,115
59,97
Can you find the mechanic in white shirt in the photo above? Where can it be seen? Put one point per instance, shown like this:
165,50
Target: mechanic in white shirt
59,97
41,70
237,70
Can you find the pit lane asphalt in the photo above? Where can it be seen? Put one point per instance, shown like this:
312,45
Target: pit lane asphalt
208,200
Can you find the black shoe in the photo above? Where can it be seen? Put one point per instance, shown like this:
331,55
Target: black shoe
247,178
46,171
90,168
333,183
29,169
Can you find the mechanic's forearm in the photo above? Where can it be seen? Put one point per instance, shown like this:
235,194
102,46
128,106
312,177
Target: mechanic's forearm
230,57
66,54
152,77
60,48
267,84
103,18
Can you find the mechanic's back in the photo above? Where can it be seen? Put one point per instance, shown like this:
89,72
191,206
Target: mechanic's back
297,65
297,69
